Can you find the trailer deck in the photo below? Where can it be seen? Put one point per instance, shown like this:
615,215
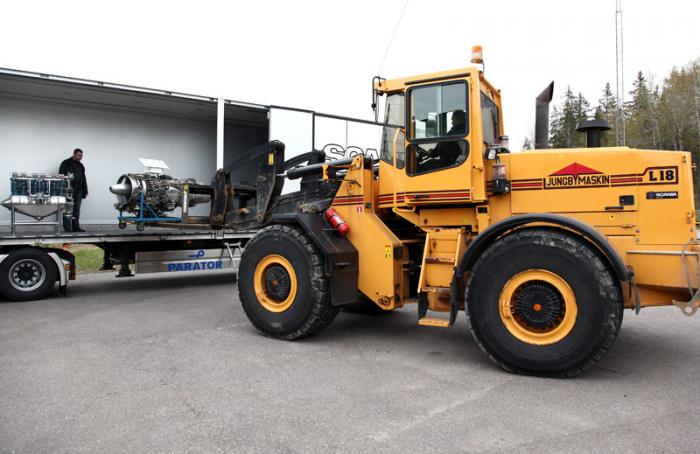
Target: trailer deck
111,234
35,258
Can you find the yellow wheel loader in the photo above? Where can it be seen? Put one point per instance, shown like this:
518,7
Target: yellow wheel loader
541,249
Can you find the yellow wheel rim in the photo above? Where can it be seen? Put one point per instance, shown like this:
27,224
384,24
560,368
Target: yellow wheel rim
538,307
275,283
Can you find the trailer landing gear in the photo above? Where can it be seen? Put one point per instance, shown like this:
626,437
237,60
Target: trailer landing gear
107,264
124,270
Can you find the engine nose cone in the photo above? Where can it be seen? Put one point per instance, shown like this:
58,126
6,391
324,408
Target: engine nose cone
120,189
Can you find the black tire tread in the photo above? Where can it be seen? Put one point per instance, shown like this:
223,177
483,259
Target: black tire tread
323,312
604,272
51,275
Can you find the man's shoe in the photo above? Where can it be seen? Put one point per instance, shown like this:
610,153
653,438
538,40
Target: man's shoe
79,230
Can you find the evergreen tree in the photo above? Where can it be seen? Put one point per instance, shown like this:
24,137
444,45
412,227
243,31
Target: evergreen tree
642,114
679,107
573,108
607,110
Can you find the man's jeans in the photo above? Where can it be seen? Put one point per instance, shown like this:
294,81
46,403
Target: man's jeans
72,224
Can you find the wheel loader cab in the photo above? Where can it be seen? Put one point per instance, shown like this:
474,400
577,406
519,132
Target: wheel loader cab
441,125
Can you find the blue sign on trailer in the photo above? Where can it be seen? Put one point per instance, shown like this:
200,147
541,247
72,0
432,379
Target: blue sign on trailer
187,260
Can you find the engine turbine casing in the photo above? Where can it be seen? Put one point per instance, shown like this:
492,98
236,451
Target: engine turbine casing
162,193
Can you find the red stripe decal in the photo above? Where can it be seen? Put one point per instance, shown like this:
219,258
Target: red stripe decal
434,195
526,185
626,180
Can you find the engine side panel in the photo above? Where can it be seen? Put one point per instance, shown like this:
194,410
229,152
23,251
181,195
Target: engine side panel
641,200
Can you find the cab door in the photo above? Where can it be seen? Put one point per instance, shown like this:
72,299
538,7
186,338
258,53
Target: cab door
438,144
392,157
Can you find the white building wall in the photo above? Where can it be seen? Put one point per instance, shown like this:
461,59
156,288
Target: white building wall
35,136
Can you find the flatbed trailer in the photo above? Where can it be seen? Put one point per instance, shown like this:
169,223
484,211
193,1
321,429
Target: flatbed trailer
43,117
33,262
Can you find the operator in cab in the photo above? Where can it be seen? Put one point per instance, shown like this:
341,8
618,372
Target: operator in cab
459,121
73,166
447,154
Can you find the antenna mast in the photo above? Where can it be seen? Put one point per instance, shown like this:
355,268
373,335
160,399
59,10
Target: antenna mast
621,134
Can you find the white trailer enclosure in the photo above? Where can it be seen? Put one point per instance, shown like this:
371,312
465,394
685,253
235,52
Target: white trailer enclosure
44,117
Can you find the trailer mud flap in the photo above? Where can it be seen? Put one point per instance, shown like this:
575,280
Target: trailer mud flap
341,258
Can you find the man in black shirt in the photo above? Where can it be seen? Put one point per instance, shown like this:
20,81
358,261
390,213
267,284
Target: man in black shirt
459,123
449,152
80,191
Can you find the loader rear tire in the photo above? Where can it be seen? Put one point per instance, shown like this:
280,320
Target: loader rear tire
543,302
282,284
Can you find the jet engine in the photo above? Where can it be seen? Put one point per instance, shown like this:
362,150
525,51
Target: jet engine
161,193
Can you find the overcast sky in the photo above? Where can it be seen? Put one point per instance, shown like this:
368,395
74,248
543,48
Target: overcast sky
322,55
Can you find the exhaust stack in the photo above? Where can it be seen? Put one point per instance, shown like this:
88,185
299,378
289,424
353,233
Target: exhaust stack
542,117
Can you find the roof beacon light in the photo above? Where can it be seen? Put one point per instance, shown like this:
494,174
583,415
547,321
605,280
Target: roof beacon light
477,55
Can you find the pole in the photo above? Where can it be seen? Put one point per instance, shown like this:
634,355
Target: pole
620,132
219,134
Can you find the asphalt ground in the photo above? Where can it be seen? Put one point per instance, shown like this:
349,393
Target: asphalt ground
171,364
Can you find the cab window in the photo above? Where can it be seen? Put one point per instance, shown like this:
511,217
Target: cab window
439,120
439,111
394,116
431,156
489,118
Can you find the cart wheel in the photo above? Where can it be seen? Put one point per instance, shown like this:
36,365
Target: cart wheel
122,225
140,226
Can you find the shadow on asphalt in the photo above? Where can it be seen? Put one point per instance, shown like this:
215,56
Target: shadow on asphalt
170,281
137,284
640,351
630,356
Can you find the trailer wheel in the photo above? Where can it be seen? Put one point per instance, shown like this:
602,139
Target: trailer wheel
140,226
282,284
122,225
27,274
543,302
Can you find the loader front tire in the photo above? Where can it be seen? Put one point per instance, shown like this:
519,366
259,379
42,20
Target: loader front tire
282,284
543,302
